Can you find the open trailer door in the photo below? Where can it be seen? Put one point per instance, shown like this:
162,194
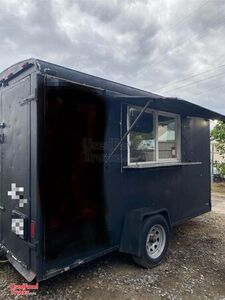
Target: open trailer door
15,172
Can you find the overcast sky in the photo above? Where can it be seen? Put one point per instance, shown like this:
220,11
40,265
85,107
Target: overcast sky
148,44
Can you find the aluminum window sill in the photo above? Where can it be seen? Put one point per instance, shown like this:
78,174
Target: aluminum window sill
160,165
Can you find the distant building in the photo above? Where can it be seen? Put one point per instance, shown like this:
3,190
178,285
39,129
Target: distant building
215,157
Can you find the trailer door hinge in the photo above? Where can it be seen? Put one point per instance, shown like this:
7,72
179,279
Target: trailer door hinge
27,100
2,125
31,245
2,138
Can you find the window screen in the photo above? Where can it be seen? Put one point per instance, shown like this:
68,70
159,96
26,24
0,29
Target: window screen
167,137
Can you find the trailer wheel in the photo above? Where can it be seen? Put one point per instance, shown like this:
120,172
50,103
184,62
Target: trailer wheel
2,254
155,242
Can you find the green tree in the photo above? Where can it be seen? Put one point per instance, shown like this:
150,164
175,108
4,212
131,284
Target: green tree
218,135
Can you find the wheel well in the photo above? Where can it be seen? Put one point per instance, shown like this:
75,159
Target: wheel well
131,234
163,213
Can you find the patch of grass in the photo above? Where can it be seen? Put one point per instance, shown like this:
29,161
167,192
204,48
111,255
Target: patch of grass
218,187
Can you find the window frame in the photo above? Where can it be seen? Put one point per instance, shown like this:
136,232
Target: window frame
156,114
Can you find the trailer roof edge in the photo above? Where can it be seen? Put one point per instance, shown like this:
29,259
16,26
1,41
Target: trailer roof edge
175,105
66,73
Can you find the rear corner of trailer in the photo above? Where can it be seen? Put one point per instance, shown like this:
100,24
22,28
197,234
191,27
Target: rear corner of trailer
18,146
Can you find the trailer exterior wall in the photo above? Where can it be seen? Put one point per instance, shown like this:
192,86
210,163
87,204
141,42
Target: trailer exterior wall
181,191
18,166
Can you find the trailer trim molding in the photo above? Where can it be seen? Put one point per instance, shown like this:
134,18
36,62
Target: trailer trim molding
54,271
27,274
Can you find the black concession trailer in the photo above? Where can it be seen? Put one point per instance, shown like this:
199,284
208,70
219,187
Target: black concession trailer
89,166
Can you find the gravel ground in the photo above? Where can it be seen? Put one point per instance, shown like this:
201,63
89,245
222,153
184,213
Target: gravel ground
193,269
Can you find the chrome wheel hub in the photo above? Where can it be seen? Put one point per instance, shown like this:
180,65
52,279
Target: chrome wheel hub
156,241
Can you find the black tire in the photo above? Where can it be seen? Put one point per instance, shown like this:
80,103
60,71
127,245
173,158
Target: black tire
147,260
2,255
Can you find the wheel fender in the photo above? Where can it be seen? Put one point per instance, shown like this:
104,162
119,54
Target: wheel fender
132,229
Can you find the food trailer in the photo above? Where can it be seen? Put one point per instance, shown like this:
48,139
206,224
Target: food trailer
90,166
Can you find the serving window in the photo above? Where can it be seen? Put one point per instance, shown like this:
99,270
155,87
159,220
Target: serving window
155,137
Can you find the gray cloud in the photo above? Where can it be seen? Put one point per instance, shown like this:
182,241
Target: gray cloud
142,43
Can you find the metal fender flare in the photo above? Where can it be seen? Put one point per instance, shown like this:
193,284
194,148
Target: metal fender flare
132,230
